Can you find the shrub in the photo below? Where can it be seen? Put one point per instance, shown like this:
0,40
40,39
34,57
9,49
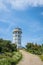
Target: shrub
4,61
7,59
2,56
17,56
8,54
6,46
34,48
41,56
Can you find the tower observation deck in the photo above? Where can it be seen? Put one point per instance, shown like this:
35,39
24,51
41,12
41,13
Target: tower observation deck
17,37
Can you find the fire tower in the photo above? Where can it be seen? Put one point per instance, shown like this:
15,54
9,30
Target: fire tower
17,37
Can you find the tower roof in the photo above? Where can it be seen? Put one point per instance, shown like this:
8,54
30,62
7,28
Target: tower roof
17,30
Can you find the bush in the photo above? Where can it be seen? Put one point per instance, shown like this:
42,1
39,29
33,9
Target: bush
10,58
4,61
41,56
2,56
34,48
6,46
16,57
8,54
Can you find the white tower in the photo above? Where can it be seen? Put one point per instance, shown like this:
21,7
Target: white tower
17,37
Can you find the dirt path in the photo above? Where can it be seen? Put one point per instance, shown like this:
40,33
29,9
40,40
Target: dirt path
29,59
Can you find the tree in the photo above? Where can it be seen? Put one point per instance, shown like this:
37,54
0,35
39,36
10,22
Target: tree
7,46
34,48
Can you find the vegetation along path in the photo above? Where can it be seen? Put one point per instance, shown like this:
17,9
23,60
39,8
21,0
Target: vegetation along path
29,59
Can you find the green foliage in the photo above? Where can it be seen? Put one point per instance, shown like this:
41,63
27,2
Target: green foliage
10,58
7,46
16,57
14,47
42,48
2,56
8,53
4,61
34,48
41,56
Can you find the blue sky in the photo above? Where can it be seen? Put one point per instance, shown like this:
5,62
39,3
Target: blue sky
26,14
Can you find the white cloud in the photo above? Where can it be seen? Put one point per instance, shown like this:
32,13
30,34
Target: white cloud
3,6
21,4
